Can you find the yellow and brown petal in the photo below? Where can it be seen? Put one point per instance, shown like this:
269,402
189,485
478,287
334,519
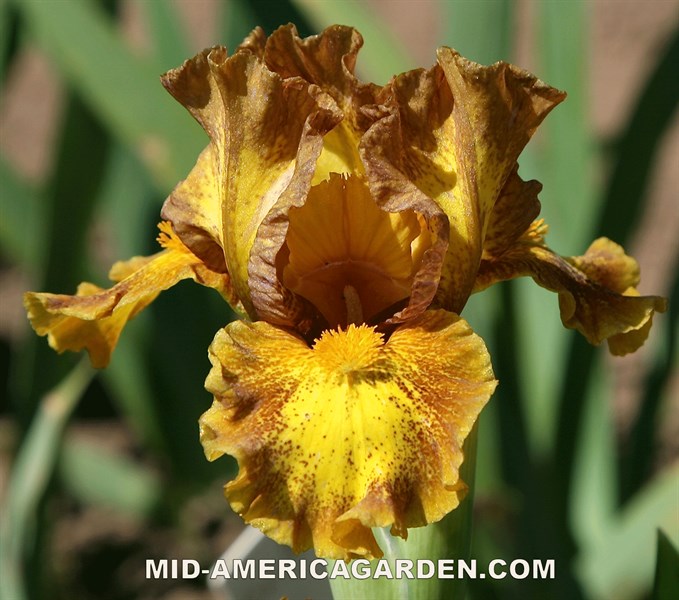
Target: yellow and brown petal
94,318
597,291
265,136
350,434
452,135
289,121
284,114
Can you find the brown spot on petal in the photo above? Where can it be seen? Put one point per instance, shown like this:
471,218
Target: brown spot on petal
351,434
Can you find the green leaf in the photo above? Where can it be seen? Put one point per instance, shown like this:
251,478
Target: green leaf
73,193
237,19
168,37
129,208
639,449
271,15
129,205
666,584
128,380
619,564
480,31
562,157
96,475
121,88
593,502
21,211
638,145
30,475
9,34
567,149
188,320
66,209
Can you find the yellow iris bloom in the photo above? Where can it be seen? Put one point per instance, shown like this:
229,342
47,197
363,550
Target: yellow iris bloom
349,223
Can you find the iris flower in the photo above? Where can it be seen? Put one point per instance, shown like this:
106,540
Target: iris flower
348,223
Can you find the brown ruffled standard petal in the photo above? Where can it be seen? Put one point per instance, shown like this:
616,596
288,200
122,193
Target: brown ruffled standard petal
266,134
328,60
452,134
351,434
597,294
94,318
254,42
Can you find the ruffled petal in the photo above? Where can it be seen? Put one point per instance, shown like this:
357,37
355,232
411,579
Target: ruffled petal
328,60
254,42
498,108
266,133
452,134
94,318
351,434
597,294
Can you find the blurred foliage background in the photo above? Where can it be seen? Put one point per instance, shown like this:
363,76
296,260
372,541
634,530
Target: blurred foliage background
578,458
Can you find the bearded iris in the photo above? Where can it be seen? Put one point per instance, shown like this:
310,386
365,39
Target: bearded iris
348,224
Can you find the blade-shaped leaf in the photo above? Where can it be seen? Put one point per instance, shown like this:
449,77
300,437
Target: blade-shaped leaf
666,584
123,89
620,563
99,476
31,473
21,212
168,37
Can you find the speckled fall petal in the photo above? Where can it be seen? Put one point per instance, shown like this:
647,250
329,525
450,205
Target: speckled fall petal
94,318
351,434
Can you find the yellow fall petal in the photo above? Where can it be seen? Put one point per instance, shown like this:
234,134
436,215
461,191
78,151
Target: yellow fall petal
94,318
351,434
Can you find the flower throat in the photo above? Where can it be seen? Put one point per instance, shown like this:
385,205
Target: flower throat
350,259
